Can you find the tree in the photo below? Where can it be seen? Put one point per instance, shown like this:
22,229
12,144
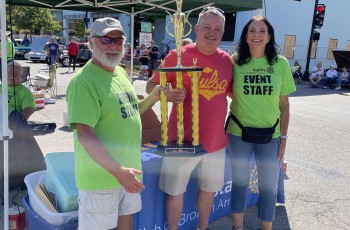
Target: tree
33,19
79,28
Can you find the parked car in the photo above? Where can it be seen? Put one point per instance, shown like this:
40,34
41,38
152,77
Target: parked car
83,56
39,50
41,54
21,51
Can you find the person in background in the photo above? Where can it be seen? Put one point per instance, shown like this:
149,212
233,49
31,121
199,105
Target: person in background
52,50
343,78
296,71
186,41
137,52
19,96
262,81
143,47
73,52
127,58
317,74
215,84
10,50
104,112
25,40
144,63
153,52
331,76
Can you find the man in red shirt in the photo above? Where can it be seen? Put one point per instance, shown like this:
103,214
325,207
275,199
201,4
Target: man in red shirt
73,51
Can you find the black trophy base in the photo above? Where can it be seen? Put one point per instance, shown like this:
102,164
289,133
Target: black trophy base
175,150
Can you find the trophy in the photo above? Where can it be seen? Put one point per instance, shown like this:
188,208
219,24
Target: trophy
180,147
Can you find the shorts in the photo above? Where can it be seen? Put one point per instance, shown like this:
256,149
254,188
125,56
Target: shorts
144,67
127,62
176,172
99,209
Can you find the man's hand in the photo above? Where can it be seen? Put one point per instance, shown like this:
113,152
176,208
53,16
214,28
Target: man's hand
177,95
155,94
127,178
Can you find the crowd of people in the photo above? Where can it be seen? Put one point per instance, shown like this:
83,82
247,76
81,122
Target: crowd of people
328,78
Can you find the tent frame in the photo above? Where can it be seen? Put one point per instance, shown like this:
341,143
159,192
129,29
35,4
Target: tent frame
90,5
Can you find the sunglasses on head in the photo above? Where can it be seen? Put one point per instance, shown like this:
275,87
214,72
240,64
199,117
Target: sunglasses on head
205,9
108,40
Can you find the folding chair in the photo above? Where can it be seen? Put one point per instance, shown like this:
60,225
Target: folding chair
25,75
43,84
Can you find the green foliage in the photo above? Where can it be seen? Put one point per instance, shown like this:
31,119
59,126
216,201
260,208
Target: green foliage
33,18
79,28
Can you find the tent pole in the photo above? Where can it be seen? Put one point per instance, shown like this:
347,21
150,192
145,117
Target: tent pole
132,19
5,131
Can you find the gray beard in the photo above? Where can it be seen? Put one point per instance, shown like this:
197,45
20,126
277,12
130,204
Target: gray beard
104,60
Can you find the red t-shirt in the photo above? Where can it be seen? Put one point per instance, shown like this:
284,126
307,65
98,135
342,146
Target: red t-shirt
73,49
215,81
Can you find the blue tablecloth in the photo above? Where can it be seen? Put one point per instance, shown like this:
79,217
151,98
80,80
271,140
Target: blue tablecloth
153,215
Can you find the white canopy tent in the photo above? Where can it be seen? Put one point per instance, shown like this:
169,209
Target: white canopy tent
129,7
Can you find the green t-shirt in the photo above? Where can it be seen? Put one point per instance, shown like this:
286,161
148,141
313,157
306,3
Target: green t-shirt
108,103
10,49
24,98
257,88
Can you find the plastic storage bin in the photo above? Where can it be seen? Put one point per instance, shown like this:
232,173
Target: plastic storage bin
35,222
40,80
53,218
60,180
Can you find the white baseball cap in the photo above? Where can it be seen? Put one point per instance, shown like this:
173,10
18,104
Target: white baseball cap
103,26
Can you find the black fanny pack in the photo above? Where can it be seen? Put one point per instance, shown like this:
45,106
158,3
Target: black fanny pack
254,135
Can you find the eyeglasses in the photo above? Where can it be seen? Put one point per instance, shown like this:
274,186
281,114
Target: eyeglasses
108,40
205,9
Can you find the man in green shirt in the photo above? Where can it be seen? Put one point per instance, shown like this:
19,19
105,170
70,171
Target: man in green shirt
104,113
10,50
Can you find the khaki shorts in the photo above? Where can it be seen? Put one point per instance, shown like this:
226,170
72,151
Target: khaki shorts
176,172
99,209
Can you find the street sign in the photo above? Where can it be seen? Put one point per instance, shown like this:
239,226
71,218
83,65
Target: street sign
145,38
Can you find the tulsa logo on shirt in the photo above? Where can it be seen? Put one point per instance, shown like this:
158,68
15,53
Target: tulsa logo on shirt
212,85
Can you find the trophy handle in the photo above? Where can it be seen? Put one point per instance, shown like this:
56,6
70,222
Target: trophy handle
190,28
186,21
166,28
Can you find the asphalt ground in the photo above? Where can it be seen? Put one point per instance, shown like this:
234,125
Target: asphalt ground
317,155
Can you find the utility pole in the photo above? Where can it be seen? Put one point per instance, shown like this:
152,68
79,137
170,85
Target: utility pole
306,72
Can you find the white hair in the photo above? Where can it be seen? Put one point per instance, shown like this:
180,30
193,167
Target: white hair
17,66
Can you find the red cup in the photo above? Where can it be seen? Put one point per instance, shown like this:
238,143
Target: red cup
17,218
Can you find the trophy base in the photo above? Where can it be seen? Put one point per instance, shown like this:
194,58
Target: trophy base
179,69
175,150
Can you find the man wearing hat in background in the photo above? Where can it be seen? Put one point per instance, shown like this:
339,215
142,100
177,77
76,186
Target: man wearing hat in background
10,50
331,76
316,76
104,113
73,52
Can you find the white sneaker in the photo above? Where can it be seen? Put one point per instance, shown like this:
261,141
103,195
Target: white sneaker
337,88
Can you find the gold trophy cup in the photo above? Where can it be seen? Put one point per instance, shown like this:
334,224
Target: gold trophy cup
180,147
